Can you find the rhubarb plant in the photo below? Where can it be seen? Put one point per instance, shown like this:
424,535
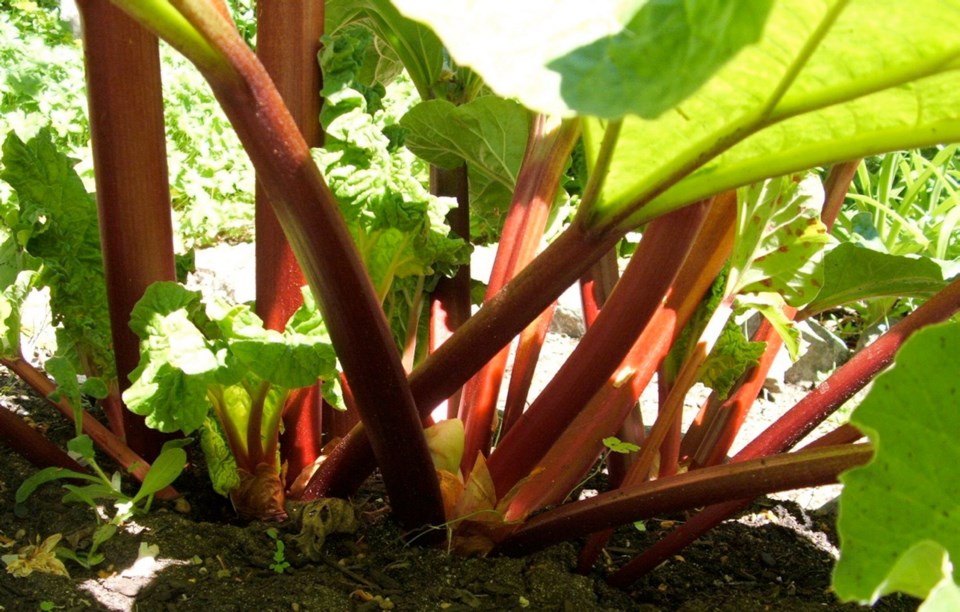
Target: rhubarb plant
213,367
676,105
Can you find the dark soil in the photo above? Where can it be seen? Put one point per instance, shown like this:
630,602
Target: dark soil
776,557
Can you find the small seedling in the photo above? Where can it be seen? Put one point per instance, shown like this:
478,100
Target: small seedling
280,563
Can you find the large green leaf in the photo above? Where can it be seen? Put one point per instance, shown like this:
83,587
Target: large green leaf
827,81
852,272
900,514
606,58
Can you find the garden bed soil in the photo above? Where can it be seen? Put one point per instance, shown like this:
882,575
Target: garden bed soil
776,556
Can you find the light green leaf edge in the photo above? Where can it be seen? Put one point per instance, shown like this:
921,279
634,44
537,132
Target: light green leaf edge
908,496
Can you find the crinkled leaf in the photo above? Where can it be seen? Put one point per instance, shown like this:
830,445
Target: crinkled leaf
489,134
780,240
619,57
416,46
291,359
221,464
18,273
344,89
852,273
57,224
732,355
169,399
169,386
163,471
899,514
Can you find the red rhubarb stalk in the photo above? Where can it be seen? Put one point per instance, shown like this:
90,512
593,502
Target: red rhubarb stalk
594,362
133,195
548,149
798,422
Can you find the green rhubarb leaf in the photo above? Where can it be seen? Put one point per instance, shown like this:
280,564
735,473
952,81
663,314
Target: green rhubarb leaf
169,399
221,464
291,359
853,273
900,514
344,90
621,57
771,306
416,46
732,355
12,297
824,83
56,222
489,134
780,240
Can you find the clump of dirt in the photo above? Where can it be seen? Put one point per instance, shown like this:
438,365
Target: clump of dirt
775,557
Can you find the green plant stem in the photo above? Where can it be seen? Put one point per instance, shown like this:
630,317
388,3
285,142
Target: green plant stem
133,196
691,489
255,425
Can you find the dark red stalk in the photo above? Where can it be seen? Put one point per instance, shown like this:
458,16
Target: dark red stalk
524,367
480,338
288,40
748,478
450,301
594,362
312,223
573,454
561,263
109,443
133,196
33,445
798,422
548,148
597,284
595,288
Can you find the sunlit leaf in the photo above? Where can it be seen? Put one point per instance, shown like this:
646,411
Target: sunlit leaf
899,514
